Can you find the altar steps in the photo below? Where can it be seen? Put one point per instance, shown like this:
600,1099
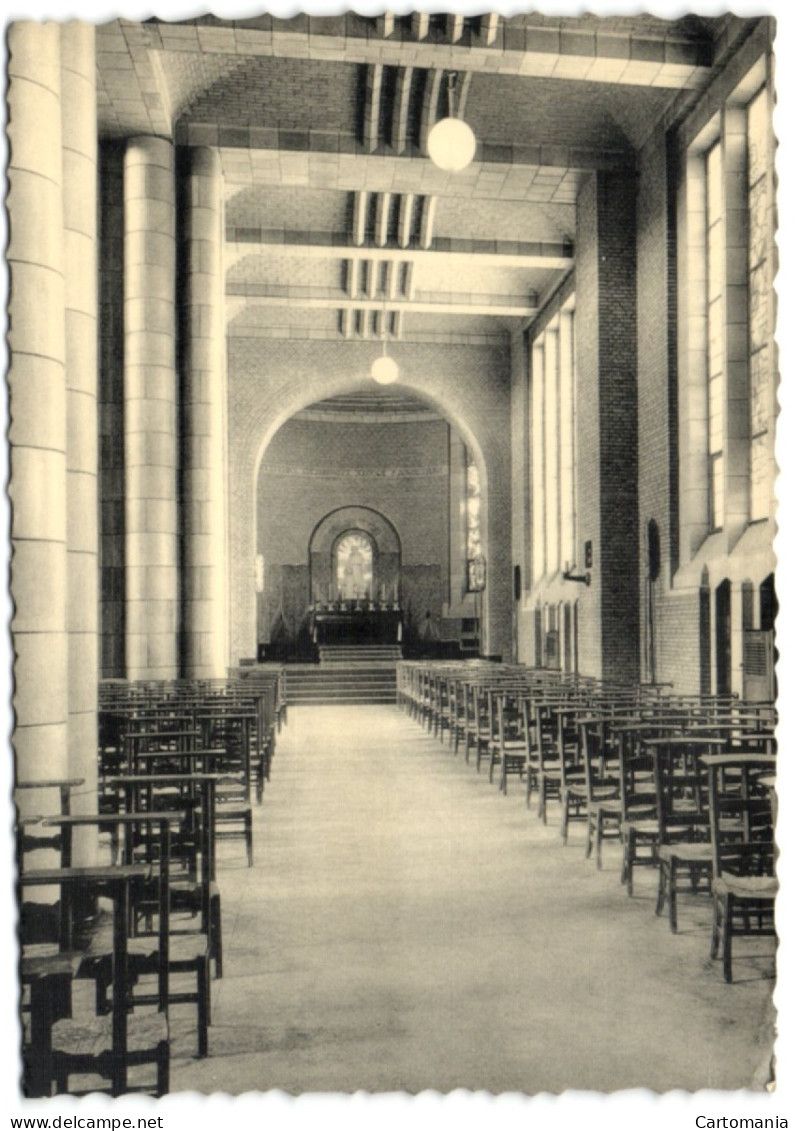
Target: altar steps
354,655
374,681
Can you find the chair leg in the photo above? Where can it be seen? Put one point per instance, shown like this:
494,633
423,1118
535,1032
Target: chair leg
673,897
716,932
564,815
162,1081
215,933
248,837
600,826
203,1006
630,862
662,885
726,939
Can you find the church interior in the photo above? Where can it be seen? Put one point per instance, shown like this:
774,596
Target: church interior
392,473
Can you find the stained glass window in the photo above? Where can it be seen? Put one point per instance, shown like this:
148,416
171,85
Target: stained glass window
354,566
474,539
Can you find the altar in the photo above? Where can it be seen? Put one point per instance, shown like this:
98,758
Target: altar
356,622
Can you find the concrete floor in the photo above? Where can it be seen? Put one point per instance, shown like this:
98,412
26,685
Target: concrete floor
406,927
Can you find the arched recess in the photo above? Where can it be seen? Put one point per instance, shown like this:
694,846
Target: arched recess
470,398
380,532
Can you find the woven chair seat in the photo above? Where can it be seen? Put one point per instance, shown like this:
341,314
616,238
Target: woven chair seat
93,1036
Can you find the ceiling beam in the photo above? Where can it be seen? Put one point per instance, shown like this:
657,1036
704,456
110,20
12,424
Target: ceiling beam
420,24
405,219
428,222
471,253
371,125
432,89
567,52
423,302
359,218
402,102
383,215
489,26
540,174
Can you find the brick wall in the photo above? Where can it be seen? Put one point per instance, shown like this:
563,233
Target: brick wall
616,248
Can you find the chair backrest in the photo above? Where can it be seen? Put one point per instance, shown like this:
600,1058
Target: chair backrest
636,778
741,816
594,756
680,793
120,979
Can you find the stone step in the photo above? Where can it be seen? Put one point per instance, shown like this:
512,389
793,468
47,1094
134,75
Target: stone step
343,653
342,683
313,698
356,675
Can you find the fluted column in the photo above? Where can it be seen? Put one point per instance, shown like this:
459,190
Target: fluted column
79,163
204,638
151,578
38,403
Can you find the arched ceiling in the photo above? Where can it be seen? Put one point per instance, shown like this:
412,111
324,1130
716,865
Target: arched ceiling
338,226
369,405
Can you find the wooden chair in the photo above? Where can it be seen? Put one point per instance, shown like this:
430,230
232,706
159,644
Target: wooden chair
189,951
573,786
532,765
744,886
684,848
510,739
603,788
231,732
548,760
459,699
196,893
111,1045
481,723
638,826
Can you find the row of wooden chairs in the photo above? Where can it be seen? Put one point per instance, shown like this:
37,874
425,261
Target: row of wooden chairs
637,764
178,765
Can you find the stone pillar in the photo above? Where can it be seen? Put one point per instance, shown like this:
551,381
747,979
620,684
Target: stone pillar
37,430
151,544
79,164
204,438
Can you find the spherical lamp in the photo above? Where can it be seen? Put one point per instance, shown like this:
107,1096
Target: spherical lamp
385,370
451,144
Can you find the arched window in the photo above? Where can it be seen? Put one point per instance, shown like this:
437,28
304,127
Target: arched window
354,565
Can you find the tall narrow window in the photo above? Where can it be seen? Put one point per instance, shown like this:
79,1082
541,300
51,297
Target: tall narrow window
760,207
474,539
551,445
716,333
538,488
568,542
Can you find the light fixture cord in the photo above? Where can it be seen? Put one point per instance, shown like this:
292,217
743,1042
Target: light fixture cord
451,79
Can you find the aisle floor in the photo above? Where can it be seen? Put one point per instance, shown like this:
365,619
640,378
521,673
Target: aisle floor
406,927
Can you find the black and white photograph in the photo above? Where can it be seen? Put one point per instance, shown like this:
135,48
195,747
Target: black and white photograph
399,560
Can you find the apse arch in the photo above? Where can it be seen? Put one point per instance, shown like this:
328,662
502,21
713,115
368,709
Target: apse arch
468,398
302,399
